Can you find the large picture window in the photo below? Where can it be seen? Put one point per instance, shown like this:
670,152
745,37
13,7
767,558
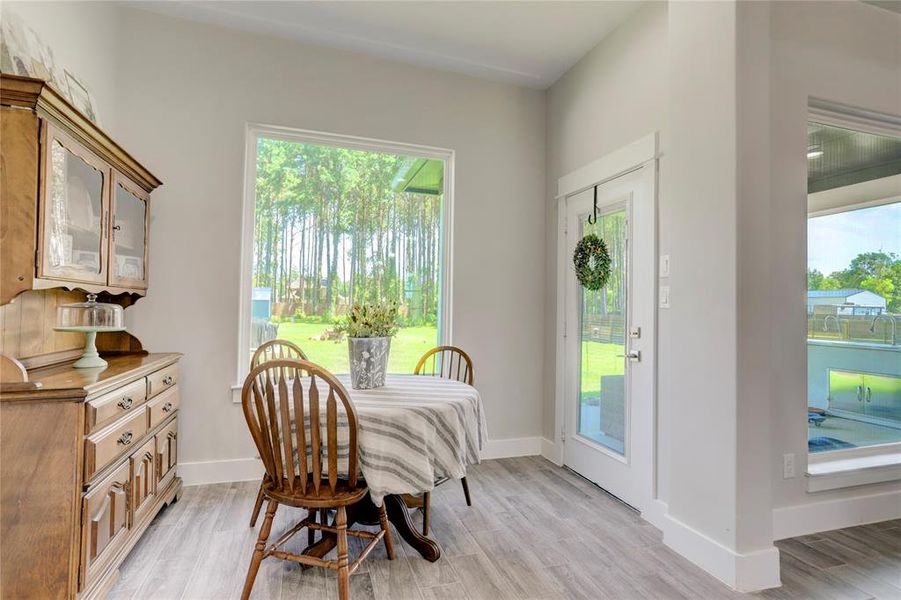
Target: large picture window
853,289
335,225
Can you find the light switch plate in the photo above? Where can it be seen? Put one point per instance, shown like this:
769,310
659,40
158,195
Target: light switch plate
664,296
664,265
788,466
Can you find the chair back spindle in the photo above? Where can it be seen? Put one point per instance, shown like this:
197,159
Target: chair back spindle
275,349
281,401
448,362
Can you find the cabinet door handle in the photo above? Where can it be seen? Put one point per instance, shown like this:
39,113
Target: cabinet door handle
125,403
167,380
125,438
167,407
869,393
859,393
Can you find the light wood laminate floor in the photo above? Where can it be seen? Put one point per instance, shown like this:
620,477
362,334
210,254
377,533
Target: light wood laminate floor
534,531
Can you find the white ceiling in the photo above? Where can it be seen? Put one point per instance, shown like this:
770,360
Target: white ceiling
524,42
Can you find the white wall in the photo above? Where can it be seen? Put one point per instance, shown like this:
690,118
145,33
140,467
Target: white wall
846,52
191,90
84,37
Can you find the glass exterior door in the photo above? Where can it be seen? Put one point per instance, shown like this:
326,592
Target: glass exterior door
128,243
602,330
608,342
74,212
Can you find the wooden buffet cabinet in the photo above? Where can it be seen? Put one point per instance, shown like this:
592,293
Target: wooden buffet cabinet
87,456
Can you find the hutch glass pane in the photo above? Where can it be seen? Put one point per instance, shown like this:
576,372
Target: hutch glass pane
75,210
128,235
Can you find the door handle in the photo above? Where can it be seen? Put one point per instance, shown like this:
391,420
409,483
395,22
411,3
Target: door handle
632,355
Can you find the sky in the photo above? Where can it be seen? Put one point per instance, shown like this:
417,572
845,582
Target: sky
834,240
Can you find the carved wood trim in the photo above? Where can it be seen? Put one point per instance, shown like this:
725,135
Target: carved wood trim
11,370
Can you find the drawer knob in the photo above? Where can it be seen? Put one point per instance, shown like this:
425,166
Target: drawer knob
125,438
167,380
125,403
167,407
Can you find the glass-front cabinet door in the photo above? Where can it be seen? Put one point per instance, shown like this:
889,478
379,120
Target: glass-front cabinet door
128,238
74,212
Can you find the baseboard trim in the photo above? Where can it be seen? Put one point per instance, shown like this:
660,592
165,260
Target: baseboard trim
220,471
805,519
749,572
550,451
512,447
250,469
656,513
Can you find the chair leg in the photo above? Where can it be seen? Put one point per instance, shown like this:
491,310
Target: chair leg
311,533
343,561
383,521
426,509
466,491
256,507
258,551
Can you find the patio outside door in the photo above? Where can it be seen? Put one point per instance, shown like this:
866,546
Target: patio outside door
609,380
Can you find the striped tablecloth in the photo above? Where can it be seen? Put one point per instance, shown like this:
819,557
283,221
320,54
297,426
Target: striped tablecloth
415,430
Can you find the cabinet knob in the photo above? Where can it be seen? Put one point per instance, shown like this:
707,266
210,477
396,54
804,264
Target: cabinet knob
168,380
125,438
125,403
167,407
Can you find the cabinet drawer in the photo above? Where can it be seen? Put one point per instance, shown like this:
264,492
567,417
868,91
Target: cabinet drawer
161,380
108,407
104,522
143,479
166,454
103,447
159,409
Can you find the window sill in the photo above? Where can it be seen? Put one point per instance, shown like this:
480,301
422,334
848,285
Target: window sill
843,470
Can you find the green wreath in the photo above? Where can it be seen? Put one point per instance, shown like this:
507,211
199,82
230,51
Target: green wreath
592,262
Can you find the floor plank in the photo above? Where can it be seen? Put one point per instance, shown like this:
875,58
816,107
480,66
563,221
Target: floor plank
535,531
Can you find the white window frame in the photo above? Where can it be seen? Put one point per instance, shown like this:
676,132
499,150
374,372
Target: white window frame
835,469
255,131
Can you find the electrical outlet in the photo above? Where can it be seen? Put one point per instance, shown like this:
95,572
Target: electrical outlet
664,296
788,466
664,265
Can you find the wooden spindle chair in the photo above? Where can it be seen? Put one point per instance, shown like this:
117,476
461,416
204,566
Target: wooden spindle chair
283,426
448,362
271,350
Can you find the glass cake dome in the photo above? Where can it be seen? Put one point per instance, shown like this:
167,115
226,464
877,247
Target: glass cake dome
90,317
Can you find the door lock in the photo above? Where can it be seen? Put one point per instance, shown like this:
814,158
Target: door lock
632,355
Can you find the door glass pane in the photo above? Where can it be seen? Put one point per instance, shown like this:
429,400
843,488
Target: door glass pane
602,393
75,213
128,235
853,289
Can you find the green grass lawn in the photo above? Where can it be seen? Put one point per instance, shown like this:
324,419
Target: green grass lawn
599,359
407,347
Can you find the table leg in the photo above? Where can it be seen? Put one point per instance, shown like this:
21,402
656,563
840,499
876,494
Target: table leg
366,513
400,518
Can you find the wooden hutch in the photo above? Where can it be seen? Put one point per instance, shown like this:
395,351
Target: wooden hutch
87,456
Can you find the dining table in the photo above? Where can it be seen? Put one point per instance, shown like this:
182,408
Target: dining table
413,432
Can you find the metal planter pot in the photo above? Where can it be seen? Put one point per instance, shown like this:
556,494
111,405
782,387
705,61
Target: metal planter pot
368,361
